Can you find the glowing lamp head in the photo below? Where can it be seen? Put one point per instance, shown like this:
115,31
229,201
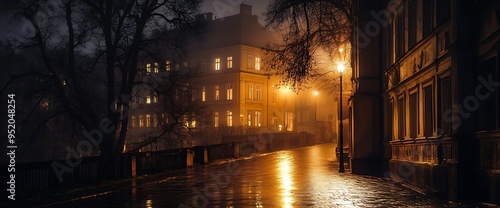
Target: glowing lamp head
316,93
340,68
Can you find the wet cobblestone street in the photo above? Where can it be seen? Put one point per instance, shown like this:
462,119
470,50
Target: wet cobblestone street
304,177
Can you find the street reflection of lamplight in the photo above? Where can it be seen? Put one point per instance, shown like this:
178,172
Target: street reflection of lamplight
340,144
285,167
315,110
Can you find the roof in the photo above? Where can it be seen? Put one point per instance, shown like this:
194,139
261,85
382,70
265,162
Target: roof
240,29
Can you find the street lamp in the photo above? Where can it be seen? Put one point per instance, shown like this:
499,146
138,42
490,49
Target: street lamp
340,144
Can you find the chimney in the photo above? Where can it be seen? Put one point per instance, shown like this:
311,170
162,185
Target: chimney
246,9
208,17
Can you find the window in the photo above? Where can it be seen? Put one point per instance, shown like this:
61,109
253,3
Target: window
164,118
217,92
249,118
230,62
289,121
390,43
251,62
258,92
192,120
203,64
132,121
413,108
155,97
216,119
148,68
229,118
203,94
428,16
141,121
193,93
148,98
428,114
217,64
229,92
401,117
442,10
400,36
258,118
250,91
445,112
488,104
148,120
156,70
155,120
257,63
412,23
167,65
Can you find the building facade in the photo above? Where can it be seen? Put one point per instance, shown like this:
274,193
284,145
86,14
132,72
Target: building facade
439,98
228,87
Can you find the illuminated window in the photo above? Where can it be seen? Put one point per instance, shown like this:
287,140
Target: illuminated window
164,118
193,121
141,121
258,118
217,92
258,92
257,63
217,63
132,121
250,91
230,62
167,65
155,97
148,68
156,70
216,119
249,118
155,120
148,120
250,62
148,99
229,118
229,92
203,94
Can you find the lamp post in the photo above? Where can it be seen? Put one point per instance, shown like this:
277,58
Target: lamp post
340,144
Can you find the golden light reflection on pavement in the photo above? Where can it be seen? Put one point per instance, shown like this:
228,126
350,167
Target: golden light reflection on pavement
285,167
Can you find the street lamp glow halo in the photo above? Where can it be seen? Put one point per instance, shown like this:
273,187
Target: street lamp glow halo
340,67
